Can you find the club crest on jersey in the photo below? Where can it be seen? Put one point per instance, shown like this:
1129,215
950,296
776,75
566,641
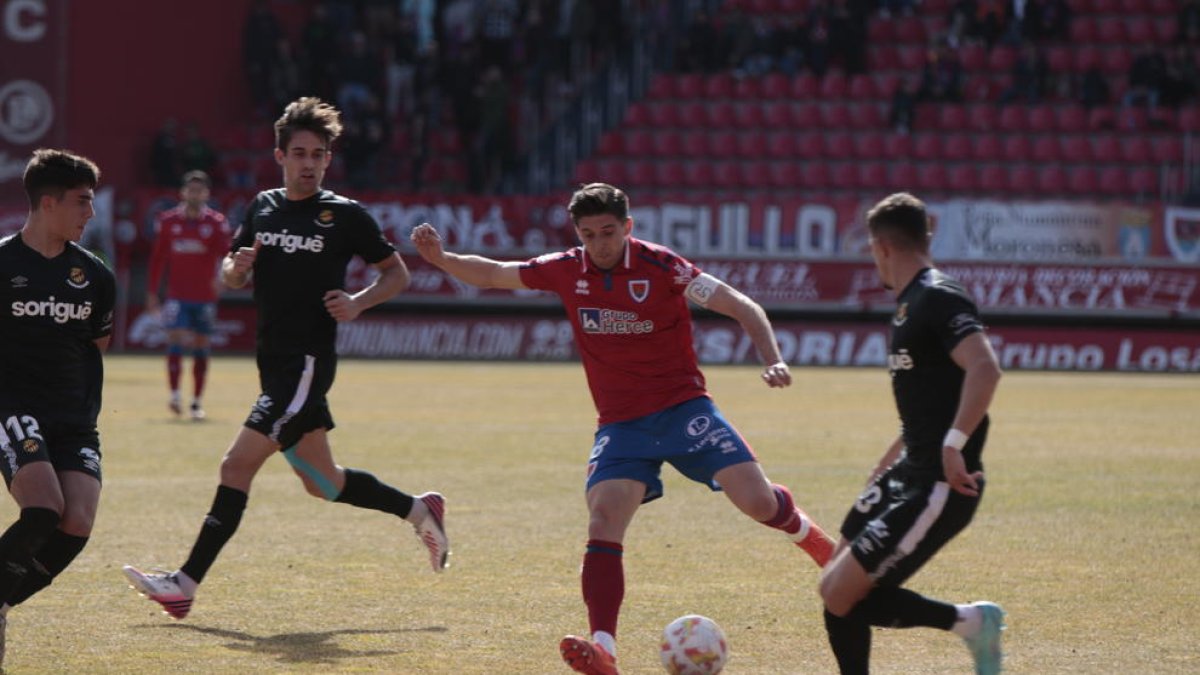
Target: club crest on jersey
77,279
639,289
901,315
30,445
324,219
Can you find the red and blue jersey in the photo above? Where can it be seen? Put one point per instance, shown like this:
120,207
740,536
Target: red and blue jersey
632,325
188,250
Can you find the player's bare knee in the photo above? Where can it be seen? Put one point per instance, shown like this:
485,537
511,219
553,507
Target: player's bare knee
311,486
77,520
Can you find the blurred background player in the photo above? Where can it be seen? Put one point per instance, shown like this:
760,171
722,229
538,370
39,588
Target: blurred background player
297,241
57,301
926,488
190,243
628,305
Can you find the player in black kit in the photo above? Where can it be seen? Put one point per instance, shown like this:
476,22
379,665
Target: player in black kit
926,487
297,242
56,312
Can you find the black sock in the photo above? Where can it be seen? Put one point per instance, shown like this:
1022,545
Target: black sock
892,607
18,544
851,643
219,525
366,491
48,563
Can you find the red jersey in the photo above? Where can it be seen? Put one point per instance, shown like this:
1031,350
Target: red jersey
189,250
632,325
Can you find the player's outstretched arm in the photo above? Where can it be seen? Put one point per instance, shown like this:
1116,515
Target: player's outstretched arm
473,269
712,293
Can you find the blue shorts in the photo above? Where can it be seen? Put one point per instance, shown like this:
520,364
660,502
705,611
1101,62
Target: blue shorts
691,436
197,317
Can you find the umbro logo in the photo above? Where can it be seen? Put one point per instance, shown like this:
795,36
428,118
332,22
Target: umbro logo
19,281
264,211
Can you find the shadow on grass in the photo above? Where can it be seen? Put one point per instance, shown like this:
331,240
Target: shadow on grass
317,647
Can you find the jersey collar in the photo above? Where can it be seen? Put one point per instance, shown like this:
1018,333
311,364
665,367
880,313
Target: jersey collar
585,265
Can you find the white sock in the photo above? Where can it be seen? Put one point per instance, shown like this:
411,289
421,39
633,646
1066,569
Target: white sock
418,513
186,584
607,641
970,621
805,526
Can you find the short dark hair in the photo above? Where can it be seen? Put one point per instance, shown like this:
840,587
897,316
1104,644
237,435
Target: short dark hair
196,176
53,172
308,114
902,219
596,199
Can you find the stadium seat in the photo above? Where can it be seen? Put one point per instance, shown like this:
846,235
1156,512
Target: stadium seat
1166,148
881,57
748,114
866,115
838,145
973,56
1059,59
879,30
963,178
1014,119
1100,119
1188,118
694,144
1162,7
637,115
668,173
1144,180
927,147
862,88
872,176
781,145
844,176
698,175
983,117
1113,181
986,148
756,175
661,87
956,147
636,142
1041,119
718,86
1082,180
1086,56
641,172
666,143
804,87
805,115
1116,61
1001,59
689,86
720,114
932,177
1136,149
868,145
902,175
1104,6
834,115
775,86
810,145
910,58
1083,29
1021,179
1111,30
1045,149
1017,149
610,144
1052,181
885,84
663,114
952,117
833,86
898,146
1140,30
776,115
785,174
233,138
815,175
746,89
693,114
722,144
1105,149
752,144
908,30
1165,29
1075,148
1070,118
993,179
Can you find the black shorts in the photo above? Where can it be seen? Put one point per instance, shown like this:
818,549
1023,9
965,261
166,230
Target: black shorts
899,522
293,401
68,447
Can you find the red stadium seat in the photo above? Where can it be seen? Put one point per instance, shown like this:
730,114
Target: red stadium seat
815,175
872,176
1075,148
932,177
667,143
1059,59
881,56
1105,6
1167,148
869,145
1162,7
1144,180
902,175
804,87
664,114
1014,119
752,144
748,115
669,174
1116,61
1140,30
1083,29
693,114
1105,149
1001,59
756,175
610,143
839,145
1086,56
1101,119
810,145
1111,30
637,115
909,29
1136,150
993,179
834,115
983,117
746,89
1052,180
805,115
1021,179
1083,181
862,87
844,176
986,148
785,174
722,144
833,86
695,143
956,147
1113,181
1070,118
974,57
952,117
641,172
782,145
1045,149
866,115
927,147
777,115
586,172
689,85
720,114
1016,149
718,86
898,146
636,142
698,175
879,30
963,178
1041,119
775,86
1189,118
661,86
1165,29
885,84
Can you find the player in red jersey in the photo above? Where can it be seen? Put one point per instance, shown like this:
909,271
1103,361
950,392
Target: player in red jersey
627,303
191,241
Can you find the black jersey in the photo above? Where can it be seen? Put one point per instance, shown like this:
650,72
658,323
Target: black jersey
306,247
51,312
934,314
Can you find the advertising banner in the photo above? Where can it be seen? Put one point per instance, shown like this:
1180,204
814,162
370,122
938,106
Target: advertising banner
32,86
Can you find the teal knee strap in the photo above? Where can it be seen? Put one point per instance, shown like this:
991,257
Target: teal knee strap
328,490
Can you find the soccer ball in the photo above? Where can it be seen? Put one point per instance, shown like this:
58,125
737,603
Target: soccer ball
693,645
